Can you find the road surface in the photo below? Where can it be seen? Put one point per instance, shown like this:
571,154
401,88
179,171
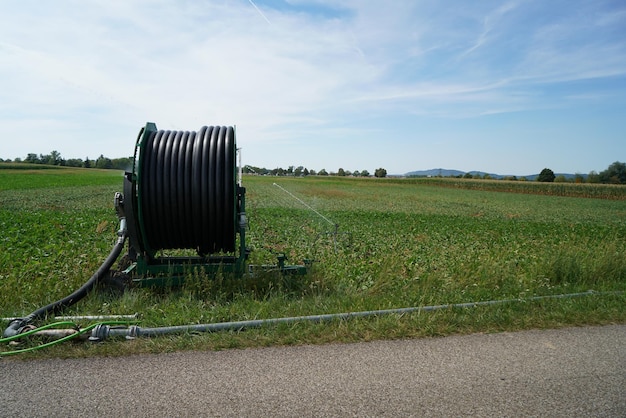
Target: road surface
572,372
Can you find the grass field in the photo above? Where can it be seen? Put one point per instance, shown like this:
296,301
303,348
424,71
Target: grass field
399,243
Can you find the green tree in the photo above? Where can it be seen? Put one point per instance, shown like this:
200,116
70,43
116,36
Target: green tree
104,162
616,173
365,173
74,162
546,176
322,172
55,158
32,158
122,163
341,172
380,173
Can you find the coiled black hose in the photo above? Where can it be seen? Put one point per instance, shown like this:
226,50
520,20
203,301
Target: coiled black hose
187,189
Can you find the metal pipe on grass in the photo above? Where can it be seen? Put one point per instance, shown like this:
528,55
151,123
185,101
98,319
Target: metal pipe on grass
102,332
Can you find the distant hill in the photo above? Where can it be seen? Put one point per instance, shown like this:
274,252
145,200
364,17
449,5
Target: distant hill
435,172
444,172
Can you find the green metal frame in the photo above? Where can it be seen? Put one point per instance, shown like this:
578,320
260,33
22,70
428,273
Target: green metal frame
171,271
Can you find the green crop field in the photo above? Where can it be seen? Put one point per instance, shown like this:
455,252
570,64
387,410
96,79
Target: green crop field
398,243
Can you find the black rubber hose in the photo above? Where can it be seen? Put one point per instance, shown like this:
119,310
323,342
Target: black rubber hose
17,325
160,168
219,188
230,192
174,203
187,190
212,192
166,212
205,183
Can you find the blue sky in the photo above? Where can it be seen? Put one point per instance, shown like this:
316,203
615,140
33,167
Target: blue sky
508,87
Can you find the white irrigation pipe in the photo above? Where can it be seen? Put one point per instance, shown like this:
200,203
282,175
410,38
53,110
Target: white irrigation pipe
85,318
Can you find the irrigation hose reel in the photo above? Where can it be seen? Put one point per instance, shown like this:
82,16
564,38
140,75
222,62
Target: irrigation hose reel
182,196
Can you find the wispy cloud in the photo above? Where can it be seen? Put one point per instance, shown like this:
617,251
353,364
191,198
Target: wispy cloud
488,23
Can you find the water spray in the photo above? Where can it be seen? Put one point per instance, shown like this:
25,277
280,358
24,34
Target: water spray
335,233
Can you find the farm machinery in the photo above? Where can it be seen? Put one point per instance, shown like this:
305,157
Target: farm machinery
182,210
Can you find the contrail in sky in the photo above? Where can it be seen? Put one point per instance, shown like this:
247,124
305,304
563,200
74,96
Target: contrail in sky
260,12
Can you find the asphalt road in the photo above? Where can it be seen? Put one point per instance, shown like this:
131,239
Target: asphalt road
573,372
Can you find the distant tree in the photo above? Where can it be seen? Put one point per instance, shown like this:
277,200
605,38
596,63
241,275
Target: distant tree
579,178
45,159
306,172
560,179
380,173
312,173
55,158
593,177
322,172
365,173
468,175
341,172
87,163
74,162
104,162
247,169
32,159
122,163
616,173
279,171
546,176
356,173
298,171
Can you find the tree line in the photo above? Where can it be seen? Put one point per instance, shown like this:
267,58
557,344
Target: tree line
54,158
302,171
614,174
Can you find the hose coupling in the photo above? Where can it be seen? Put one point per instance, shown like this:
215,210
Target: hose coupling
17,326
99,333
